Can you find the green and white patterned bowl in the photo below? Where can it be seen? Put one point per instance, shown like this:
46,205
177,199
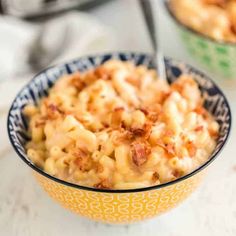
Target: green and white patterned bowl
216,57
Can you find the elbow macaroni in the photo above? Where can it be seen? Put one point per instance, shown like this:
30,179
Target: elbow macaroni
119,127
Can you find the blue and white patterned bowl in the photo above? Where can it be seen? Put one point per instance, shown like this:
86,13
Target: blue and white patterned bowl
215,102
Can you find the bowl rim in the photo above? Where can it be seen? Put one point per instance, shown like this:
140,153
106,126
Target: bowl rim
143,189
187,28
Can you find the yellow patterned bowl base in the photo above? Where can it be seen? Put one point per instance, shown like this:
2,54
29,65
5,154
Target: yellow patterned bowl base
119,208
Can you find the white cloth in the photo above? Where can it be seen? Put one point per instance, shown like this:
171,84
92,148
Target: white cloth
62,38
15,38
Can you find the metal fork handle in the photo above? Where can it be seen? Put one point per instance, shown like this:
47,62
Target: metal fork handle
147,8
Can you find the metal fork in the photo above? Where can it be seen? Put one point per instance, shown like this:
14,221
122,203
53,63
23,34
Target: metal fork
148,7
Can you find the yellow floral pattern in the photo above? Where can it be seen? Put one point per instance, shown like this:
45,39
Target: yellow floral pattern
119,207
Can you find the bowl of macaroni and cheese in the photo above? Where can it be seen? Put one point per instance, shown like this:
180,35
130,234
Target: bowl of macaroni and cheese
208,30
109,140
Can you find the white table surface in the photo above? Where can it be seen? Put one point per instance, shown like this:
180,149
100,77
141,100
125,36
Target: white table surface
26,210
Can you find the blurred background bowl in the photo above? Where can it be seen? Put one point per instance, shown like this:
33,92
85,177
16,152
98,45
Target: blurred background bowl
216,57
116,206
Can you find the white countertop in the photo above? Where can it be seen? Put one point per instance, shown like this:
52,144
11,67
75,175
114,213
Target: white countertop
26,210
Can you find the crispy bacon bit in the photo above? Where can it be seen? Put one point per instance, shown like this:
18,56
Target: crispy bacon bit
154,113
137,131
199,128
201,111
176,173
104,184
219,3
168,147
83,160
153,116
102,73
53,111
148,130
99,147
122,125
140,153
78,83
233,29
128,135
213,133
141,132
155,177
164,96
144,111
191,148
53,107
105,125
